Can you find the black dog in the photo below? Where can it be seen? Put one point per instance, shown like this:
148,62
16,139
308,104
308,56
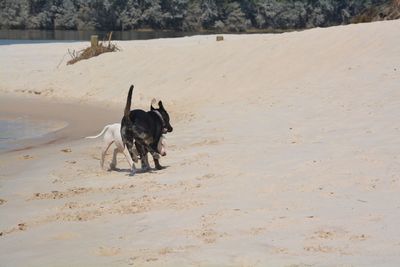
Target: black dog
144,129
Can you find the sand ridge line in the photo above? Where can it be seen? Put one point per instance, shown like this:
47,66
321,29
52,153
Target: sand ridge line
207,232
20,227
74,211
146,184
150,257
78,191
335,233
333,240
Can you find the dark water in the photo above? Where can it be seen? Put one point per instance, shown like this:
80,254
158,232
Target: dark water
57,35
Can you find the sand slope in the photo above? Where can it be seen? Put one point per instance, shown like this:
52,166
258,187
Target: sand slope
285,152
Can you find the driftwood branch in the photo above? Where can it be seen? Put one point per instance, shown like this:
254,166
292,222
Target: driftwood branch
90,52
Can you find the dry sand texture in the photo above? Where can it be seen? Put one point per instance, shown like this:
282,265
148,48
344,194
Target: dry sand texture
285,152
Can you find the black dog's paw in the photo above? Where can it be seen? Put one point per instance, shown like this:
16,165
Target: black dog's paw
146,169
159,167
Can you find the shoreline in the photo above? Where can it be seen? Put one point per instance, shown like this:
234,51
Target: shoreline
82,120
17,129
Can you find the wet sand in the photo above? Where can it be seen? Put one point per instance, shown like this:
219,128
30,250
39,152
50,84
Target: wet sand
74,120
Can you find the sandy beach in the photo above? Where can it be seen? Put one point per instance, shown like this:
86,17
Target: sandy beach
285,152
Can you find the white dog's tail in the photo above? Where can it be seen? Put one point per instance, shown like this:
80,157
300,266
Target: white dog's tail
100,134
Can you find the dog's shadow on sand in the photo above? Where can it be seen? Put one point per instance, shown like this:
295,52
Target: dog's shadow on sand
119,170
138,171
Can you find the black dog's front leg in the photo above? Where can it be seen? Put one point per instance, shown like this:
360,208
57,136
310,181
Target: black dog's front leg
129,146
143,156
157,163
156,157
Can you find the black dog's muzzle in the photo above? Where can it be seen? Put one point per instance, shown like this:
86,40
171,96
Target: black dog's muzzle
165,128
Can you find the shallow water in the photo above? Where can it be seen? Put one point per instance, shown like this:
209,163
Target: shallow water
13,130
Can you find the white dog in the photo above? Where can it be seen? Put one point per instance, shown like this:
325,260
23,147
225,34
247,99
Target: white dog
112,134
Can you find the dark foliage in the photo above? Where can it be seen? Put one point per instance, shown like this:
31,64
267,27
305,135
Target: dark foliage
180,15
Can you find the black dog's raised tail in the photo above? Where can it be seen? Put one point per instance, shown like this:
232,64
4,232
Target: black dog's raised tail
128,102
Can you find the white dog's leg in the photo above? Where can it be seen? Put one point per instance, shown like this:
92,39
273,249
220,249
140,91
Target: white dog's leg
113,163
127,157
103,154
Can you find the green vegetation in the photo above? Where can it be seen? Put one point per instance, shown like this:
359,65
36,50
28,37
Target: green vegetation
180,15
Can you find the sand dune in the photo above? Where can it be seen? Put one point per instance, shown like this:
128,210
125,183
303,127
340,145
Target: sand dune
285,152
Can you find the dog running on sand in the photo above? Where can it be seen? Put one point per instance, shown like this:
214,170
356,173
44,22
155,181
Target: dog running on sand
112,135
143,129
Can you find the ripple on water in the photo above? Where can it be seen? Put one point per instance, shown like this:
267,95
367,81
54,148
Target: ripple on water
14,129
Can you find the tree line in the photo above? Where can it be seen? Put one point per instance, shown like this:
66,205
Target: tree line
179,15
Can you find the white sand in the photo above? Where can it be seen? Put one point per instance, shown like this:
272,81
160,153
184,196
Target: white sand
285,152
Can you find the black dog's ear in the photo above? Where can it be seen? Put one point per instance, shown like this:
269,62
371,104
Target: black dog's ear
160,105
